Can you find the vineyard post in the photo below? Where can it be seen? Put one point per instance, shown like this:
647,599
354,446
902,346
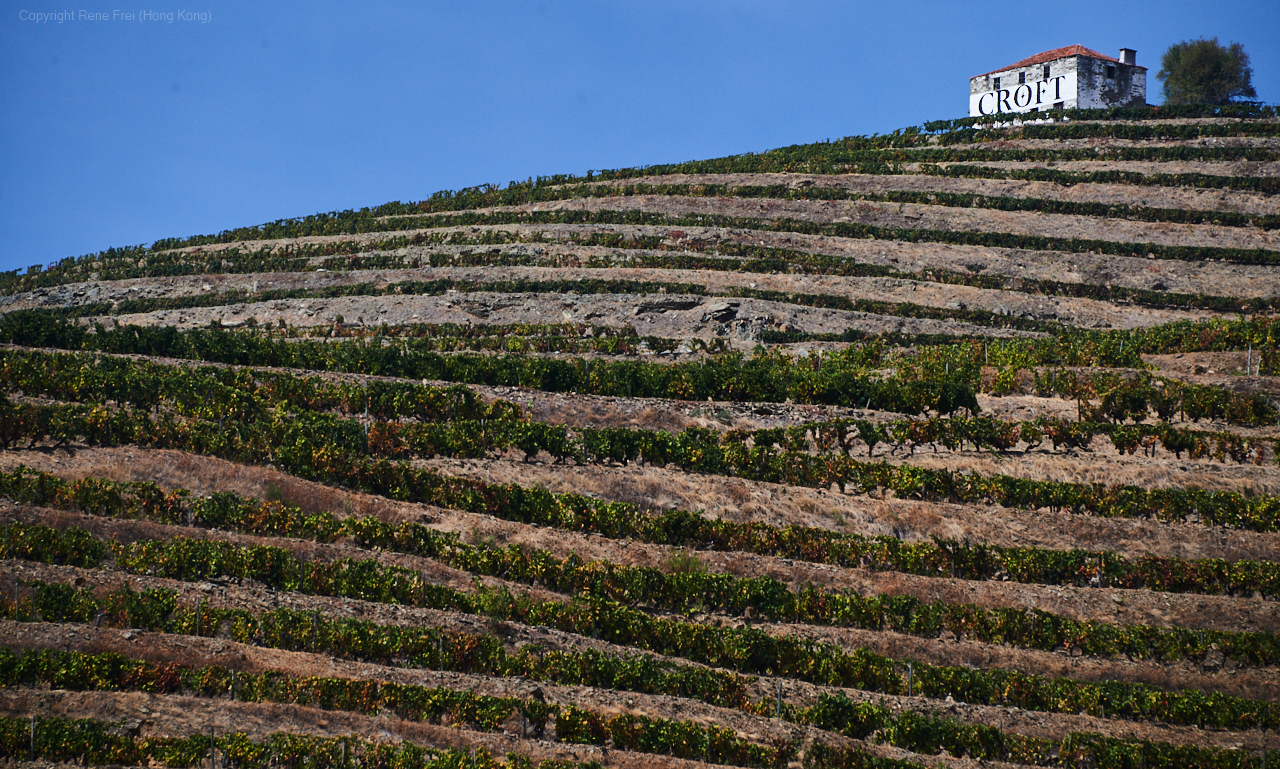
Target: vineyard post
213,750
199,601
779,714
33,738
911,669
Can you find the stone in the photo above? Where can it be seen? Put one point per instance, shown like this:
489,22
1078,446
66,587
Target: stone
721,311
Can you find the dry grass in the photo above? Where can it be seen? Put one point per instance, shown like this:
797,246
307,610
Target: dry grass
202,476
651,488
740,500
1104,465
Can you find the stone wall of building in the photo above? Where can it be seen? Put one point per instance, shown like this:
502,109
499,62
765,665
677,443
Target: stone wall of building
1108,84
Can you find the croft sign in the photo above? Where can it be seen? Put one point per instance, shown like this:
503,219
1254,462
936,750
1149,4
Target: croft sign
1020,98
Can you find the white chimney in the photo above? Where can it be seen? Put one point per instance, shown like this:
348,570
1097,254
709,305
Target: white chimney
1128,56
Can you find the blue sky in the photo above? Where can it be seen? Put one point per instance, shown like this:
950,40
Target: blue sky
191,119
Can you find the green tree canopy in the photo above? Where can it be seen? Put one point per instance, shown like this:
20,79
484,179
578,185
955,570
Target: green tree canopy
1204,72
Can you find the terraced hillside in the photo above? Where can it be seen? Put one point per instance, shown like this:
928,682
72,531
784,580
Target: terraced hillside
953,447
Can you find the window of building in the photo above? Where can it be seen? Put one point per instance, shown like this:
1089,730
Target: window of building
1022,78
995,82
1057,105
1046,72
1111,72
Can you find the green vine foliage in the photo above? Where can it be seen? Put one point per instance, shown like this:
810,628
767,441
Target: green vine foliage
90,741
745,650
681,593
837,713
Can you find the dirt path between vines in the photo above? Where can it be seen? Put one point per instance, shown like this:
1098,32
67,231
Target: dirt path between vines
913,216
158,648
1261,168
652,488
1178,198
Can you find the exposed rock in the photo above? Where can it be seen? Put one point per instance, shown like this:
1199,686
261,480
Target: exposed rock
721,311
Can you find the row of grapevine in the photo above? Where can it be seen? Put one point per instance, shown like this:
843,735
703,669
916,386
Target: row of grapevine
330,449
764,597
745,650
638,251
1260,256
319,446
1236,111
591,286
832,712
764,259
260,348
829,161
465,709
762,377
965,560
91,741
944,199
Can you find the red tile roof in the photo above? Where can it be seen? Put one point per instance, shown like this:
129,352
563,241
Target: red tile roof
1056,53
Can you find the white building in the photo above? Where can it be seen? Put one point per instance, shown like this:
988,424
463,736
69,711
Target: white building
1064,78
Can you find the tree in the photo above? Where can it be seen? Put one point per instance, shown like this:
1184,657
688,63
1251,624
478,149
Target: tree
1204,72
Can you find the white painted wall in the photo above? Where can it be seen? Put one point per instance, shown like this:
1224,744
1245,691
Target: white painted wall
1038,92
